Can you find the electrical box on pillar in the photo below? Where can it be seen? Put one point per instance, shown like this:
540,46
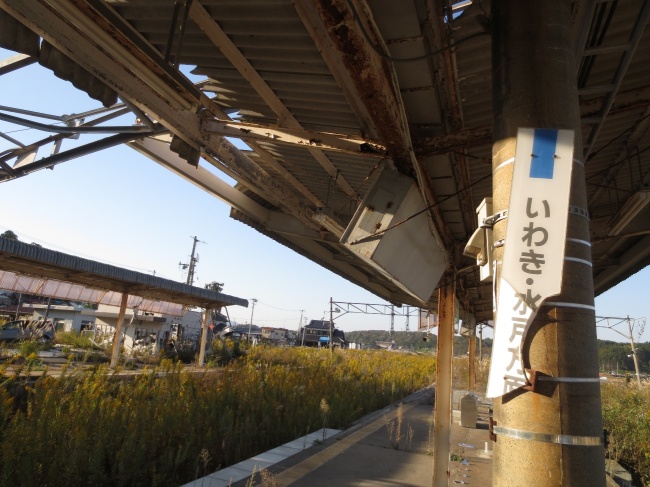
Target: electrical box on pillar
480,243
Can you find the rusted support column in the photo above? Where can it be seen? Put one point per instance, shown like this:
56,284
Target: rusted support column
471,359
534,86
204,336
444,391
117,340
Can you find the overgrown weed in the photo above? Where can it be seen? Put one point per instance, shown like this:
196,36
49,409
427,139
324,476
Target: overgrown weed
163,427
626,417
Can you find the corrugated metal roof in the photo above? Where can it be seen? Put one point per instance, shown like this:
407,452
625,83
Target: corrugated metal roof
33,260
280,70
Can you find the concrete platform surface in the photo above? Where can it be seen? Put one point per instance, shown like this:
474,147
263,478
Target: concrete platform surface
392,447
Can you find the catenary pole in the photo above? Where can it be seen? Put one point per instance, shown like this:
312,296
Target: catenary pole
534,86
636,362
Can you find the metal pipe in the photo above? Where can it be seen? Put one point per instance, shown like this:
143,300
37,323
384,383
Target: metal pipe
331,326
123,129
76,152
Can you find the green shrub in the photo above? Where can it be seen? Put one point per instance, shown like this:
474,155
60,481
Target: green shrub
626,417
28,347
73,339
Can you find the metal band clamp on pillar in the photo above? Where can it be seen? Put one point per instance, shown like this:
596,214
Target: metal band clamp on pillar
548,437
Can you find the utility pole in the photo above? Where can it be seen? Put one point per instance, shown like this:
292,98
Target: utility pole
392,320
250,325
300,326
192,265
551,436
20,299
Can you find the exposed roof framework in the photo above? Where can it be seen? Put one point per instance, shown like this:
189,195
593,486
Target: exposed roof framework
325,93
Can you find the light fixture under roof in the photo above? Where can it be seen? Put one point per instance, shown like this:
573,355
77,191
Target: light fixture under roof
630,209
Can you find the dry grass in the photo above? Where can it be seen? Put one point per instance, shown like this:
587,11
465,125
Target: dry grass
91,428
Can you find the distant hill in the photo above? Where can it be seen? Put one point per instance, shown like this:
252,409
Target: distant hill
611,355
412,340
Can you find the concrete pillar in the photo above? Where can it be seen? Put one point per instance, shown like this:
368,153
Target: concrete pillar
204,336
444,390
117,340
534,85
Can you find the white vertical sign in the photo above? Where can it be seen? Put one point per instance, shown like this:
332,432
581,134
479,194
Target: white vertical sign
534,246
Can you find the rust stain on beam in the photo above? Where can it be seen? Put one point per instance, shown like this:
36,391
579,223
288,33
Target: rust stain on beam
637,98
452,142
372,78
377,89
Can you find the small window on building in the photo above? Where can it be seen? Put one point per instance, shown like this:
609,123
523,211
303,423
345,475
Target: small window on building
87,325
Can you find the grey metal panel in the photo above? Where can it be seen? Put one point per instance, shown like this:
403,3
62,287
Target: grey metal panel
407,251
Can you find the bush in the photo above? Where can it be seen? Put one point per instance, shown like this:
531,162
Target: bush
164,428
626,417
73,339
28,347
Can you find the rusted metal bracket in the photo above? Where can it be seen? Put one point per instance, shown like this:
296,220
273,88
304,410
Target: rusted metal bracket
491,424
531,384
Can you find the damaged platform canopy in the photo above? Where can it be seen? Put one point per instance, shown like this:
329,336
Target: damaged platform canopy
36,270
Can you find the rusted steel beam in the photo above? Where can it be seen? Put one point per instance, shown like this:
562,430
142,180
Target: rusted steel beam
112,57
452,142
625,100
375,85
372,77
297,137
466,138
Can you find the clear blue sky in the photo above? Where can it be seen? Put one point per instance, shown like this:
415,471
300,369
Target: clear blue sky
120,207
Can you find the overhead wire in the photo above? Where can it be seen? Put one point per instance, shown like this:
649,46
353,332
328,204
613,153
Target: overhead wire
448,197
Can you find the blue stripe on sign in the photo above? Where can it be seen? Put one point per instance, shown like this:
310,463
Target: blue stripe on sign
541,165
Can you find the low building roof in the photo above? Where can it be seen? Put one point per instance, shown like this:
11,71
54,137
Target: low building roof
32,260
